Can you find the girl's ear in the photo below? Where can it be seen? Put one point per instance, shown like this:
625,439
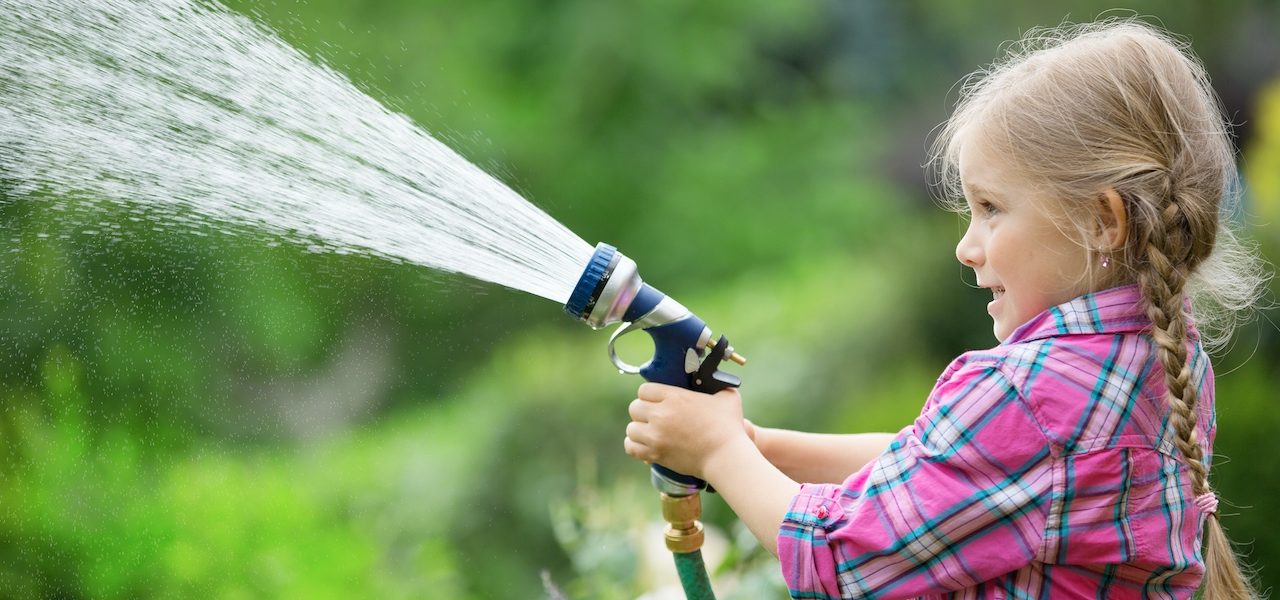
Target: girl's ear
1113,220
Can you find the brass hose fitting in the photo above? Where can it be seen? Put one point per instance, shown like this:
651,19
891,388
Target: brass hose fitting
683,532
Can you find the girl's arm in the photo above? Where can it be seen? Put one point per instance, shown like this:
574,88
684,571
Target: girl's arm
818,457
704,436
756,490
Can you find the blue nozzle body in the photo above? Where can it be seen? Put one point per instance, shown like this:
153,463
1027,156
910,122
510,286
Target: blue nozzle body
610,291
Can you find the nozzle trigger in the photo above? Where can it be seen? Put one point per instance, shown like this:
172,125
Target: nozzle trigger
709,378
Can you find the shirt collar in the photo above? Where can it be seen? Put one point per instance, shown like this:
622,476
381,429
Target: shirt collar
1115,310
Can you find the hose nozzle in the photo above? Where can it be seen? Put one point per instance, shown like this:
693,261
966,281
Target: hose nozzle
606,289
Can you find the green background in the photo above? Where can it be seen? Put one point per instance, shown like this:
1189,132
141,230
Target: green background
227,417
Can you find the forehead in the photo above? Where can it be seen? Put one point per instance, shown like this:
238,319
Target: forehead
986,171
980,172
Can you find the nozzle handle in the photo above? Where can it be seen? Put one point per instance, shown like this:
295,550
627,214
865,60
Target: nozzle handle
708,379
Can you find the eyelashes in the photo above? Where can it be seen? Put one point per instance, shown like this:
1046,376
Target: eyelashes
986,208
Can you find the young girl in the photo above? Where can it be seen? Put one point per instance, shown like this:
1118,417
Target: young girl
1072,459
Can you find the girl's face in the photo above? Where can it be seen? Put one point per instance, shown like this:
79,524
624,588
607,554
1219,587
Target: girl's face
1013,244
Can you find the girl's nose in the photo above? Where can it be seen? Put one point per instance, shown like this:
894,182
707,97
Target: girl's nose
969,250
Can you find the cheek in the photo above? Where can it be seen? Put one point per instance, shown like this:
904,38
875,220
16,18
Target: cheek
1039,269
1007,254
1019,262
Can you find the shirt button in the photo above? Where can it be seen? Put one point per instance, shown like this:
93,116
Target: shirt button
822,512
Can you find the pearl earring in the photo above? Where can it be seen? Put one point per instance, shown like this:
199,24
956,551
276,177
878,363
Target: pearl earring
1106,260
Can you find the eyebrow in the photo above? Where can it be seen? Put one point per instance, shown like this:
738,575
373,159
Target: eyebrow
977,189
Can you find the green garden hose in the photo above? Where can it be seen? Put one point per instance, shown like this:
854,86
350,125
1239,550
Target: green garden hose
693,576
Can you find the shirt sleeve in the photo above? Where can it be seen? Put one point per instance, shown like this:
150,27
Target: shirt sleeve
959,497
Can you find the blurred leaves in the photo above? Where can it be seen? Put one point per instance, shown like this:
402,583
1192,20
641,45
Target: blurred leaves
1262,167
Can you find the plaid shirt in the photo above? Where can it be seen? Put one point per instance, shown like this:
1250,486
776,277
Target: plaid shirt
1042,468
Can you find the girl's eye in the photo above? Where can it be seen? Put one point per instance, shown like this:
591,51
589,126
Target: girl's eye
987,208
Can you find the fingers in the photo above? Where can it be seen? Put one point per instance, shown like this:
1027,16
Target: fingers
647,396
653,392
658,392
729,391
637,450
639,410
636,432
638,442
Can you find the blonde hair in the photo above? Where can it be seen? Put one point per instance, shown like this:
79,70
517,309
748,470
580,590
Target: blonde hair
1122,105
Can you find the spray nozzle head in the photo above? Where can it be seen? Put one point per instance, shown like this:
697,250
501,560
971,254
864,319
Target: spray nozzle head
606,289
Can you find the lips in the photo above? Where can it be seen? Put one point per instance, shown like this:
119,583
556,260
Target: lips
997,292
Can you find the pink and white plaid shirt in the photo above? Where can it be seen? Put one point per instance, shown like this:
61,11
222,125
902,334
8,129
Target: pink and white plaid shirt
1041,468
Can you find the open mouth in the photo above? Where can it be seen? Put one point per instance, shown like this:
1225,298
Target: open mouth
997,292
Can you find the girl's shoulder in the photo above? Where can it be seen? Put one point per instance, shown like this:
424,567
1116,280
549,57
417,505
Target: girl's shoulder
1074,384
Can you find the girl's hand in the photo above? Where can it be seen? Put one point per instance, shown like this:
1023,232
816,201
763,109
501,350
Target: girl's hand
681,429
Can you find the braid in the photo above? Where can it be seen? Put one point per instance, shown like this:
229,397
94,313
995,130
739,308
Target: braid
1170,254
1163,283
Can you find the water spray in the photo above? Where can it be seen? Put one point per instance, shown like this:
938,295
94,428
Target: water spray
205,118
685,354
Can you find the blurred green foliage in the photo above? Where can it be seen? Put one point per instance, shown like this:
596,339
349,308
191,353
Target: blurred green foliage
200,414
